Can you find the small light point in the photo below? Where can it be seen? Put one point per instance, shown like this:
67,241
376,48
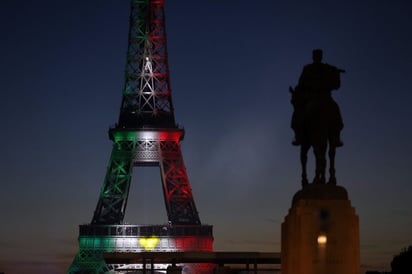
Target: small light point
322,239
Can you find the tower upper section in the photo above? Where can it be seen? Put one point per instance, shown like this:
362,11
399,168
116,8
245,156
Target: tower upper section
147,97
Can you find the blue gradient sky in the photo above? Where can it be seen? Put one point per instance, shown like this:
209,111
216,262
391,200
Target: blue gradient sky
231,63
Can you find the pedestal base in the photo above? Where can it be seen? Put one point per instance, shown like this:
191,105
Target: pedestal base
320,234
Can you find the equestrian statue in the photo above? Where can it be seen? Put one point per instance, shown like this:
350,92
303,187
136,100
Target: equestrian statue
316,119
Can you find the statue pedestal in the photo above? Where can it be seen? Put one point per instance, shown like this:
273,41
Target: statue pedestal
320,234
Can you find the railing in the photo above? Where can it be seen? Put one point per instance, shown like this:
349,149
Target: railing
145,230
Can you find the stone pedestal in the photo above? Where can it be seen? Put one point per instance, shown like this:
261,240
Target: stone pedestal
320,234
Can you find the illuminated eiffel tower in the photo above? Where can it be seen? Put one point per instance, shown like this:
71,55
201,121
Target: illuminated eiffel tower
145,135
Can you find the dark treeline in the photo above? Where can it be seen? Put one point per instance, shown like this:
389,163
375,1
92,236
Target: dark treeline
401,263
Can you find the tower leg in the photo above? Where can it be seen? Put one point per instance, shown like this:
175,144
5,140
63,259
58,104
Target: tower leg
112,202
89,262
178,194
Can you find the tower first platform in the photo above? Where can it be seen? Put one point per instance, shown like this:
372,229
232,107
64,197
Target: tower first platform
320,234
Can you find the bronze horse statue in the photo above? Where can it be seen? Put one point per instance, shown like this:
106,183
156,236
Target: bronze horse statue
316,115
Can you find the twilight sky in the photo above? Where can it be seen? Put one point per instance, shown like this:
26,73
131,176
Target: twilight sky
231,62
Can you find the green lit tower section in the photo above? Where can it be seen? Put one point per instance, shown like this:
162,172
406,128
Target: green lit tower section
146,135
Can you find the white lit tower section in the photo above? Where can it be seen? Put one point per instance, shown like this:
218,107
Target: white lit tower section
145,135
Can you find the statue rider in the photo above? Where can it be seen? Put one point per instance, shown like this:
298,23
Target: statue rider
316,83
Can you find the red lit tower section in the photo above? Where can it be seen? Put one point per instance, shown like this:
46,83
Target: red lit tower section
145,135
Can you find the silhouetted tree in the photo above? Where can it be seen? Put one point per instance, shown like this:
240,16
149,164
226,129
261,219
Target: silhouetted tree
402,263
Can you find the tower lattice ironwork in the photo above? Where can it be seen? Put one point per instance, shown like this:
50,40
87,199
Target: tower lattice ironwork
146,135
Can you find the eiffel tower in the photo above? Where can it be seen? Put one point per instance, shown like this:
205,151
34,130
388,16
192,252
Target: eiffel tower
146,135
